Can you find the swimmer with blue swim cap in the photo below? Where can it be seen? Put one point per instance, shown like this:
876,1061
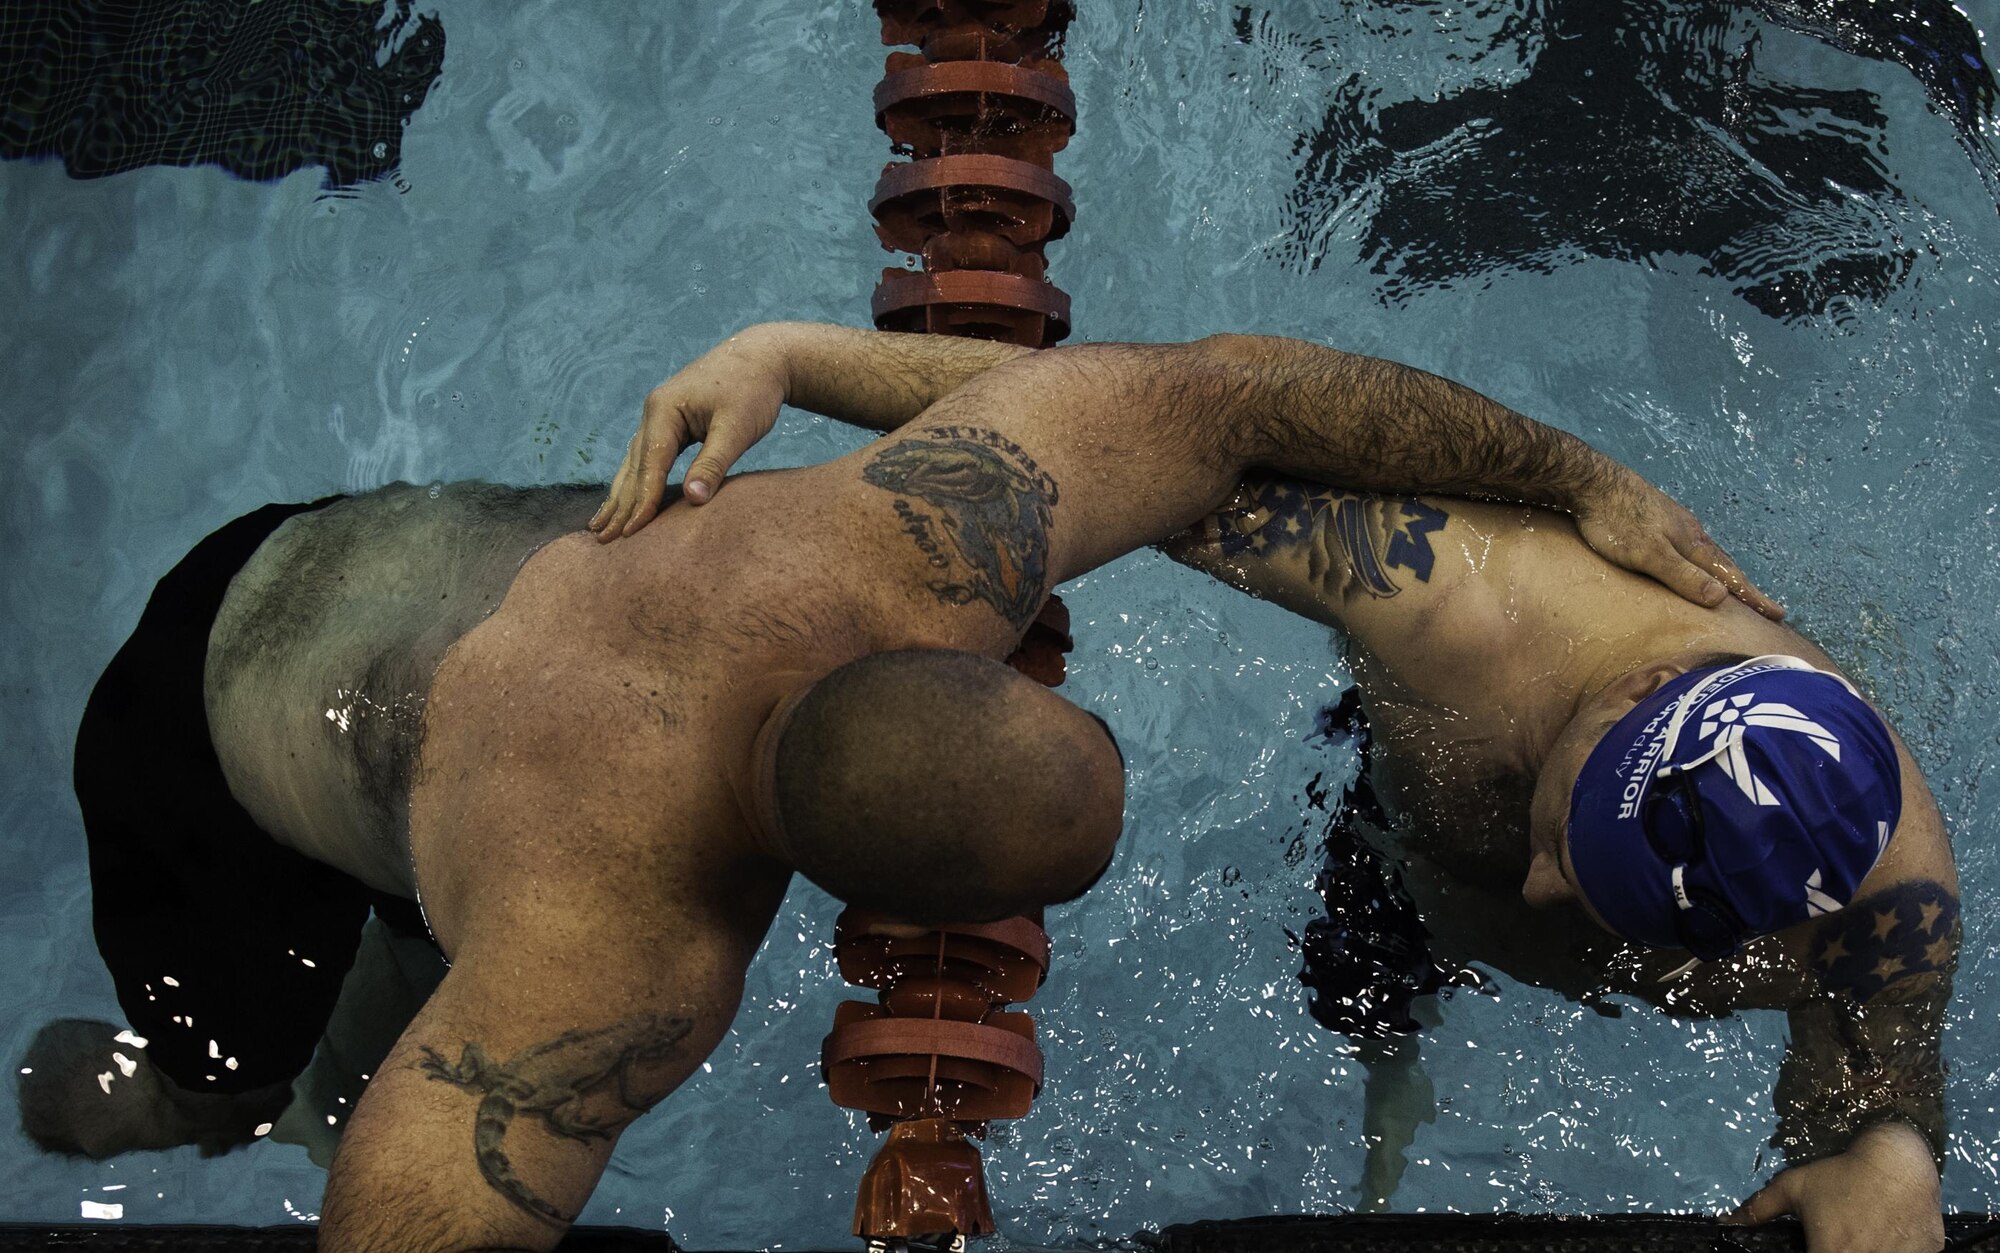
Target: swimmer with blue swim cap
1587,784
1649,756
1734,802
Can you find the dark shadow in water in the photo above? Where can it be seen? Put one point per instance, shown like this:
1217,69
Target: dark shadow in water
1369,964
1631,130
260,89
99,1090
1368,959
1930,38
259,987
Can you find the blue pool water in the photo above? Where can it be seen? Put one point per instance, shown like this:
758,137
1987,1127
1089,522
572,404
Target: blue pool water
1758,260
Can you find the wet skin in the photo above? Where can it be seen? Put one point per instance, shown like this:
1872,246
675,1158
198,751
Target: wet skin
580,771
572,687
1493,650
577,773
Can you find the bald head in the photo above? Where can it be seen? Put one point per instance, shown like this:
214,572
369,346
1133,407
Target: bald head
942,786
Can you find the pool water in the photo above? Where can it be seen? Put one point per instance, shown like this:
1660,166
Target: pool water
1751,252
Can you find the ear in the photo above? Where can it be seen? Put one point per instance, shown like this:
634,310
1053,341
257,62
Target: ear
1637,685
1545,885
755,779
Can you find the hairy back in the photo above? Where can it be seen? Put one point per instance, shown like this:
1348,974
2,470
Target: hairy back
321,658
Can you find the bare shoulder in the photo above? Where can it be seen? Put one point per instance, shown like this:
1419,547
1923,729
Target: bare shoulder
940,535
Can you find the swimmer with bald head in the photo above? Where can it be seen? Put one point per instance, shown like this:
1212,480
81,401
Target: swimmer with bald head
1594,784
597,765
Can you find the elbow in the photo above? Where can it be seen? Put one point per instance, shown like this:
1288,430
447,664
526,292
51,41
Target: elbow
1233,348
1257,349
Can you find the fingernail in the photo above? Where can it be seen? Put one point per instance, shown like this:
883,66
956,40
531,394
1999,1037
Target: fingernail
1714,592
697,491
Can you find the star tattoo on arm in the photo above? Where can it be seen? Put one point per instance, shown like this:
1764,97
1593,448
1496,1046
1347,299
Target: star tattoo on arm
1865,1042
1351,543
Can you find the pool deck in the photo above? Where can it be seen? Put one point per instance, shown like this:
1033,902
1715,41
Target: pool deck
1373,1233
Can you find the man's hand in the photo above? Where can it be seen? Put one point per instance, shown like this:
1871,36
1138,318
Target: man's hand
729,399
1880,1196
1633,524
725,401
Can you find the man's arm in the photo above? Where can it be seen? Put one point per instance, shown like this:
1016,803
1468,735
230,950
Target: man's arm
1283,404
1362,422
1864,1044
1170,426
1860,1096
1209,409
598,949
728,399
490,1121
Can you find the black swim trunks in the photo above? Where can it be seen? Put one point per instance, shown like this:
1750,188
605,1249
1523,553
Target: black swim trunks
227,949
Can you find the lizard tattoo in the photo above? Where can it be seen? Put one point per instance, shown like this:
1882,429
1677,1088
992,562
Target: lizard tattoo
582,1085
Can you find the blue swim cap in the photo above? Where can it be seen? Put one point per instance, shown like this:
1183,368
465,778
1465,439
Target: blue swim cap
1733,802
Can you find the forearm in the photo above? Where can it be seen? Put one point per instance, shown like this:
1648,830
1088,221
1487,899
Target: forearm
1866,1048
1834,1085
1284,404
1372,425
875,379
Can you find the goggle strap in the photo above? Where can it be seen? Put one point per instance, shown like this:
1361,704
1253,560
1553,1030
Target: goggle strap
1699,692
1681,971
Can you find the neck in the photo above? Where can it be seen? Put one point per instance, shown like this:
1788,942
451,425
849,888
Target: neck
1598,667
1592,667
